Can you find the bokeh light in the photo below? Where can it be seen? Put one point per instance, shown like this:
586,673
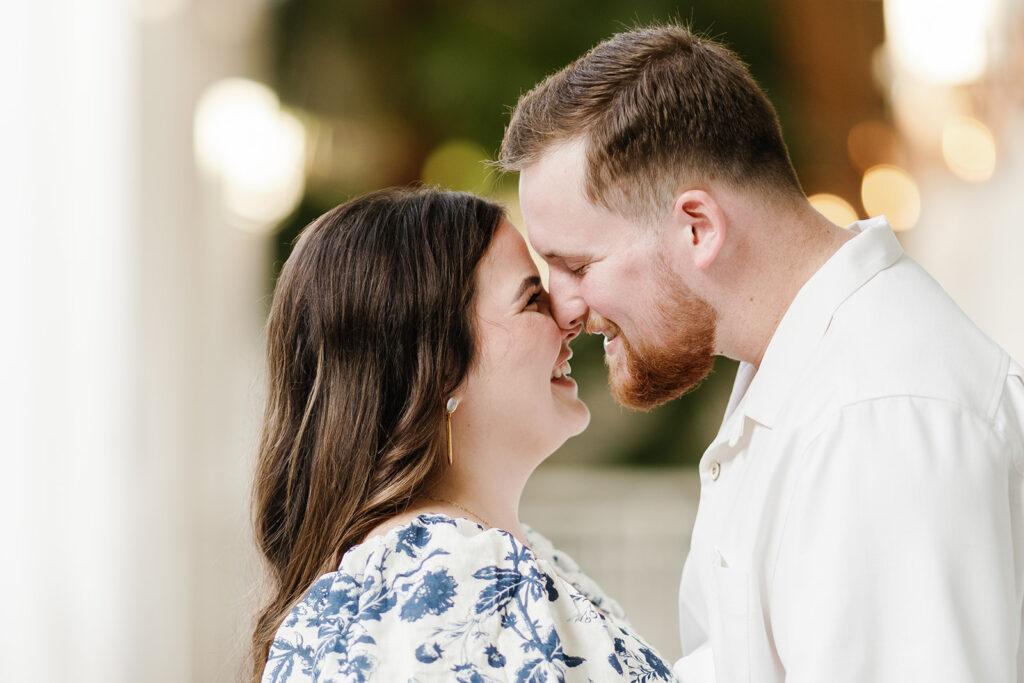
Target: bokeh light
254,149
459,165
871,143
890,190
834,208
920,111
969,148
940,41
156,10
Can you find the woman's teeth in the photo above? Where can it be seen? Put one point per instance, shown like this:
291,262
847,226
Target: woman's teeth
561,371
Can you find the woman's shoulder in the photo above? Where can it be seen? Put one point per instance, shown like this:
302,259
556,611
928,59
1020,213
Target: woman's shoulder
406,543
433,548
430,556
384,587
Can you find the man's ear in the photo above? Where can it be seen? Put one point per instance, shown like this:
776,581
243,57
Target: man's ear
697,213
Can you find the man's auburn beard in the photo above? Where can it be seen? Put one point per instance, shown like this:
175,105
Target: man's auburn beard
650,375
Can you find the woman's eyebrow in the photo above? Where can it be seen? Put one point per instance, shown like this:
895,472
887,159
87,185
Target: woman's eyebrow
528,283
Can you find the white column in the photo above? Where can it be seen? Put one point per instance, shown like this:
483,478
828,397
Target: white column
67,350
130,348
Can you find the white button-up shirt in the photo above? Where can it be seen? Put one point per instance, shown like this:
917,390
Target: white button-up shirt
861,516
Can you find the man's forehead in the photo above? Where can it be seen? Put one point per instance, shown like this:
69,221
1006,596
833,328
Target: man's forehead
556,245
562,163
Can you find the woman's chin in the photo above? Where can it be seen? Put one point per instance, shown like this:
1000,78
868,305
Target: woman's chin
584,419
573,421
577,420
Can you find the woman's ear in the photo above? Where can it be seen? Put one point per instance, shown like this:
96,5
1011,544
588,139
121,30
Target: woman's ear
701,217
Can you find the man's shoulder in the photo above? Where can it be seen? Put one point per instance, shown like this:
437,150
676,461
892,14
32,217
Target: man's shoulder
902,335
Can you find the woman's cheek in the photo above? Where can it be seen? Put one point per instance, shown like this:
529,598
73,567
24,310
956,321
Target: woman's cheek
540,340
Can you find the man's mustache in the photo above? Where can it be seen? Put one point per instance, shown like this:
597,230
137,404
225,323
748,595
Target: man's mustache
597,324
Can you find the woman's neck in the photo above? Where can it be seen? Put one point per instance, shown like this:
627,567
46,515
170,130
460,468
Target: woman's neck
491,498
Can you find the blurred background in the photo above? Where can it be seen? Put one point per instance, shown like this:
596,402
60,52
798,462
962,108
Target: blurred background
158,157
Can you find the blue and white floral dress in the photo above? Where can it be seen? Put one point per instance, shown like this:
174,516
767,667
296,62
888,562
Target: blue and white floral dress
442,599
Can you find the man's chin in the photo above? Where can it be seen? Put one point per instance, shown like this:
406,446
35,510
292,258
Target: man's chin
644,375
649,391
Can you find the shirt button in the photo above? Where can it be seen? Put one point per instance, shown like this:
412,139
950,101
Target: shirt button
716,470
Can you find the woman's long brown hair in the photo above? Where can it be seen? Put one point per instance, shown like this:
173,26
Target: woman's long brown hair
370,331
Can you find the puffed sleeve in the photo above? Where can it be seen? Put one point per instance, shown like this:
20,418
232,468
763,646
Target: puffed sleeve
897,561
444,599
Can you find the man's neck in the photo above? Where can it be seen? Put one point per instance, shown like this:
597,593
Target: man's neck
777,263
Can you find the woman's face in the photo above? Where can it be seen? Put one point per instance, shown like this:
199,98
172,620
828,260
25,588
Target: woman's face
516,390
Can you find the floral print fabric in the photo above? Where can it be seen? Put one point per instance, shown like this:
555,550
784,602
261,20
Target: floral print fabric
442,599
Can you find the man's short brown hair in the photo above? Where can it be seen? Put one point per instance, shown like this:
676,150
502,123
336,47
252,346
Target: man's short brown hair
657,107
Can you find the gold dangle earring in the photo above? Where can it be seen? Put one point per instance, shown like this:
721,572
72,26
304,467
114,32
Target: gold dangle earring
453,403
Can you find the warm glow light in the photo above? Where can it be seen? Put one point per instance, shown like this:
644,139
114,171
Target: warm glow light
871,143
255,149
969,148
940,41
834,208
891,191
156,10
459,165
920,111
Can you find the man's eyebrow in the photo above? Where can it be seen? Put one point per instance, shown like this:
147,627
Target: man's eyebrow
528,283
555,256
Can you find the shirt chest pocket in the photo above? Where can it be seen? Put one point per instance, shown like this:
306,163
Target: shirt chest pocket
729,622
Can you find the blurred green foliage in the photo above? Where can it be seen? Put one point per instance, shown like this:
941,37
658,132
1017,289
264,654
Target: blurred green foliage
429,71
438,70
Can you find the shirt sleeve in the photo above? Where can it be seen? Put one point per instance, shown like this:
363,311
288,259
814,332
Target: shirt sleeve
899,560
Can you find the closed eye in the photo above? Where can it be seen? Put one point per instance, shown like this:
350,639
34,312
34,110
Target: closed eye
579,271
534,298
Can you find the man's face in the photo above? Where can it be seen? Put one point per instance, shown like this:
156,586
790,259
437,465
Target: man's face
612,277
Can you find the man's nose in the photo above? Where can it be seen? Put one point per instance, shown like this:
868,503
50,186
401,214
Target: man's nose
571,333
567,304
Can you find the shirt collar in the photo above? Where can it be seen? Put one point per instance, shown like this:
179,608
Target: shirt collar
873,249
